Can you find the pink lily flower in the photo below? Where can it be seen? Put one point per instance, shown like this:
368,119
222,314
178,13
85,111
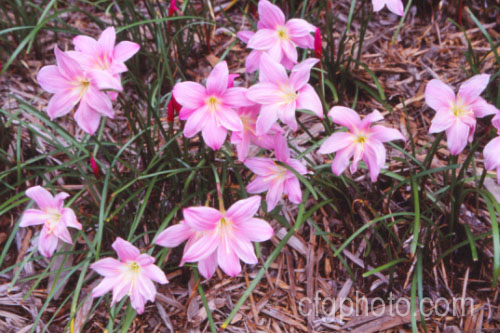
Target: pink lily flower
248,135
53,215
71,85
395,6
278,38
211,110
274,178
281,95
102,53
219,238
361,141
491,153
457,114
132,275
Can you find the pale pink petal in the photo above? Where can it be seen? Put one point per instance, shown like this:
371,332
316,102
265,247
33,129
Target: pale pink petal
286,113
245,35
263,40
213,133
289,50
264,93
245,251
256,230
125,50
146,287
105,285
217,79
301,73
358,154
117,68
267,119
273,72
207,266
335,142
252,62
106,42
457,135
137,300
260,165
236,98
270,15
275,53
243,210
173,236
69,218
185,113
201,248
145,259
385,134
370,118
299,28
87,118
491,154
230,80
438,95
441,121
341,160
378,4
345,117
87,61
51,80
125,250
292,189
154,273
59,199
482,108
201,218
107,267
374,158
42,197
62,103
196,121
274,193
47,243
496,121
120,290
242,146
68,67
99,101
85,44
227,258
229,119
190,94
281,149
258,185
308,99
396,6
33,217
105,80
473,87
297,166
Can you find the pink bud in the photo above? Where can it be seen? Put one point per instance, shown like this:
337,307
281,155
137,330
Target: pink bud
172,8
318,50
172,108
95,167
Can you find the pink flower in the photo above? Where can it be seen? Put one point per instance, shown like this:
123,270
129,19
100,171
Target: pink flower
248,135
457,114
219,238
281,95
395,6
361,140
55,219
278,38
274,178
211,110
491,154
132,275
102,53
71,85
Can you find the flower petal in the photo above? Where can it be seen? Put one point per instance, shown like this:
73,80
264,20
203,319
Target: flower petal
213,133
87,118
106,43
396,6
345,117
482,108
281,149
69,218
154,273
457,135
190,94
105,80
207,266
473,87
104,286
85,44
370,118
227,258
236,98
245,251
201,218
441,121
289,50
272,71
173,236
258,185
125,50
308,99
42,197
99,101
217,79
245,35
51,80
335,142
438,95
261,166
299,28
229,119
292,189
62,103
195,122
107,267
263,40
270,15
374,157
47,243
255,230
302,72
125,250
264,93
243,210
201,248
386,134
68,67
33,217
341,160
491,153
274,193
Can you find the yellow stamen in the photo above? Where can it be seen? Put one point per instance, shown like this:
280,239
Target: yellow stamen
213,103
283,34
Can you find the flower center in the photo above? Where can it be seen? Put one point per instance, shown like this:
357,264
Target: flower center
83,84
213,103
289,94
53,218
283,33
134,267
361,138
460,109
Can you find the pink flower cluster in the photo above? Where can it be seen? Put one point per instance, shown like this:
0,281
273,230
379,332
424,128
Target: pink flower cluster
88,77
